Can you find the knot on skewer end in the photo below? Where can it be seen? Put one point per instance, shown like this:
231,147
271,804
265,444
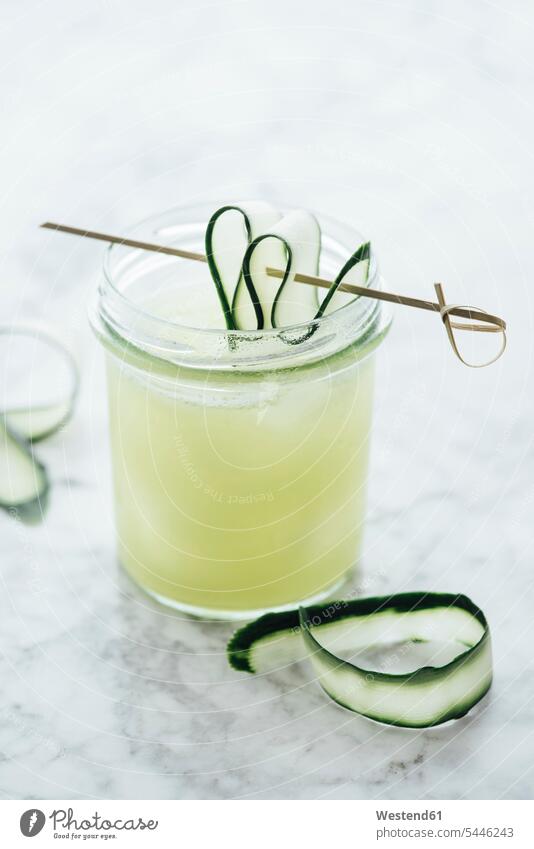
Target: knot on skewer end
483,323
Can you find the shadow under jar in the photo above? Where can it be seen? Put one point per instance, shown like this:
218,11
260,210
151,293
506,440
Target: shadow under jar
239,457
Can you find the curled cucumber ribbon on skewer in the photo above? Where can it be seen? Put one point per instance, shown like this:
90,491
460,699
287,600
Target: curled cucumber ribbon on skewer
244,240
325,634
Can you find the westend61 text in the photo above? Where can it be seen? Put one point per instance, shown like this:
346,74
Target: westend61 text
408,815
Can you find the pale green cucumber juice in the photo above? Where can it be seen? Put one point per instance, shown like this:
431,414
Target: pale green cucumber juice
240,485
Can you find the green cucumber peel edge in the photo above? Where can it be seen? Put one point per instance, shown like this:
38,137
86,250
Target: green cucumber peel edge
23,427
226,304
24,421
293,622
249,282
361,254
30,510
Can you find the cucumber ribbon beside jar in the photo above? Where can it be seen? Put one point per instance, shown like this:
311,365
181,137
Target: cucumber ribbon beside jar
24,481
324,634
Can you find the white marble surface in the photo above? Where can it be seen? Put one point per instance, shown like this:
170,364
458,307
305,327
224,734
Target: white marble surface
412,119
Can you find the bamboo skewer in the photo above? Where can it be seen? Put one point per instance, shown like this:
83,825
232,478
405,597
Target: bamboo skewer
488,323
120,240
418,303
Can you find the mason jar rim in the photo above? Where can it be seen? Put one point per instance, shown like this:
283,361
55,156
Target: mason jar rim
176,342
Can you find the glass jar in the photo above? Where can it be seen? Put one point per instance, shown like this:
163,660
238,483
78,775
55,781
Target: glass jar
239,457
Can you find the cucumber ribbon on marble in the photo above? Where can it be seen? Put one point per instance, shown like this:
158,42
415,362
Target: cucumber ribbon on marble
24,482
326,634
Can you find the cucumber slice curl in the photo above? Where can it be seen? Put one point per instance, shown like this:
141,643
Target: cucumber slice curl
243,240
295,303
230,230
37,423
266,250
293,245
428,696
355,271
24,482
